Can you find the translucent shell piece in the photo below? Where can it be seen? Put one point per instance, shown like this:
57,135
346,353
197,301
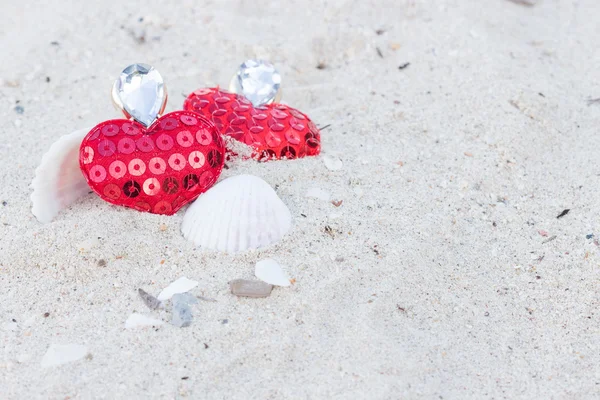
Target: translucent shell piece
58,180
240,213
270,271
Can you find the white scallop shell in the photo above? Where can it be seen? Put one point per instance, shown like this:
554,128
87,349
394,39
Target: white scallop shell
242,212
58,180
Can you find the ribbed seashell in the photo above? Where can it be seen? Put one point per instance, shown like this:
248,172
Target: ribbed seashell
58,180
242,212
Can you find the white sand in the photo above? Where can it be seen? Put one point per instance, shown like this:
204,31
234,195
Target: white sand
436,284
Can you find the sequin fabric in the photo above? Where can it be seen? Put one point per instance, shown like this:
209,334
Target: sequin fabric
159,169
274,131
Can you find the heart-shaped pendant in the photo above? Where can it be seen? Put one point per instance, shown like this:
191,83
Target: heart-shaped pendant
157,169
250,115
148,162
274,131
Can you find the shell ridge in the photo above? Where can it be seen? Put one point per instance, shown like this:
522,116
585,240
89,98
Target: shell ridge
225,244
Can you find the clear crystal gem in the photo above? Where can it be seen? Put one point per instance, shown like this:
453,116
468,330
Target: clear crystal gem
258,81
141,92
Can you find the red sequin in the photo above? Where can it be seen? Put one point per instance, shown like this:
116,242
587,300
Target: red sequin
159,169
275,131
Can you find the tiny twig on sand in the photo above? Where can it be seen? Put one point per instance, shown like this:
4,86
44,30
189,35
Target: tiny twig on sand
563,213
593,101
526,3
551,238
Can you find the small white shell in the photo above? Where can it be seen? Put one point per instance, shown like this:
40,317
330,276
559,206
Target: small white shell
58,180
136,320
59,354
242,212
270,271
181,285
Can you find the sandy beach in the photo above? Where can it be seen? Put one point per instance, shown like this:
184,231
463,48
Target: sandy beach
464,129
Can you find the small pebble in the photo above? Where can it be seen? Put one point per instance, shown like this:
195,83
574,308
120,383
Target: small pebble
246,288
19,109
182,314
151,302
589,236
101,263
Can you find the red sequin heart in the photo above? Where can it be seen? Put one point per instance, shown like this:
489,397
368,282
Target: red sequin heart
159,169
275,131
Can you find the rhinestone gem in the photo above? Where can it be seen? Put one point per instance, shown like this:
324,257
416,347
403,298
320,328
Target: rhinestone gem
141,91
258,81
